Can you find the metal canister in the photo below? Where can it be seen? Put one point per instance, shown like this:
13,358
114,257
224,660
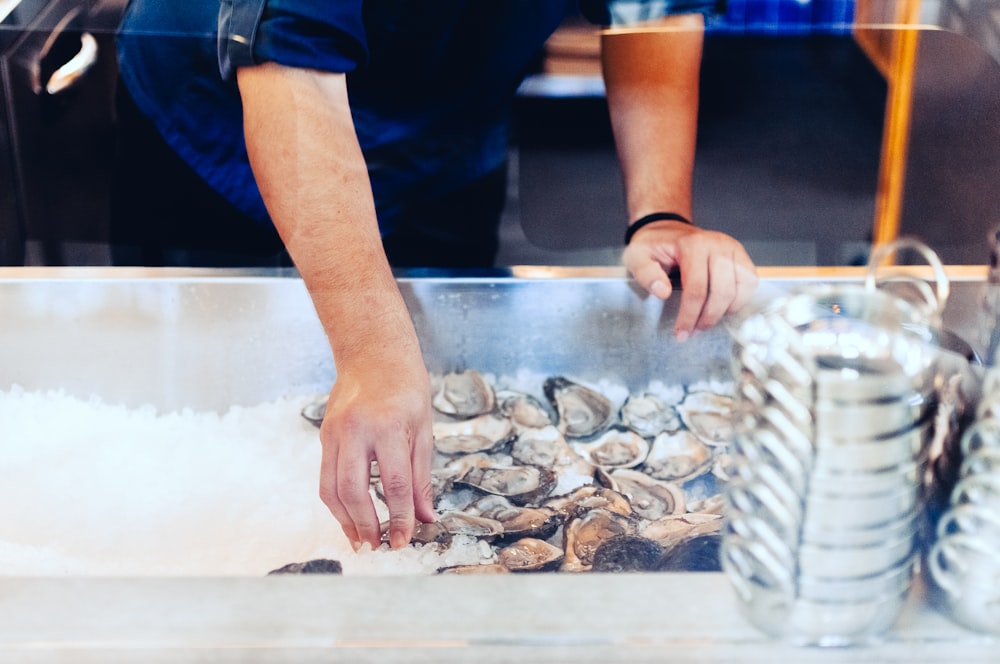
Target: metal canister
836,405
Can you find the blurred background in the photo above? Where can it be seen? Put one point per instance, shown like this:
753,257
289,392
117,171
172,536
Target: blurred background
824,126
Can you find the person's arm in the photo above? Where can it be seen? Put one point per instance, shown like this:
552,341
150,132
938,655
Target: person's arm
652,80
312,175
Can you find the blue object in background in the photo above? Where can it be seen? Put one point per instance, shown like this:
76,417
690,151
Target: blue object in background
785,17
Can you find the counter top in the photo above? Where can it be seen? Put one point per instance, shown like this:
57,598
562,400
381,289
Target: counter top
676,617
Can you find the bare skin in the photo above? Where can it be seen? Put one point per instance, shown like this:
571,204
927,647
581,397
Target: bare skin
652,87
311,172
312,175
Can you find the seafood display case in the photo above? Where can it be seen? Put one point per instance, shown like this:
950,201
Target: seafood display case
176,344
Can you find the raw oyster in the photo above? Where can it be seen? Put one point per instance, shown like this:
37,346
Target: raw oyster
590,497
521,484
464,443
460,523
485,568
678,527
678,456
530,554
709,416
583,535
518,521
523,410
617,447
314,411
464,394
424,533
582,412
317,566
627,553
696,554
499,430
648,415
548,448
649,497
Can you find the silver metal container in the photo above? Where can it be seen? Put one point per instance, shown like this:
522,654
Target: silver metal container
844,379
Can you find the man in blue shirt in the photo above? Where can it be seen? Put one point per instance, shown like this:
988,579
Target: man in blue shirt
353,129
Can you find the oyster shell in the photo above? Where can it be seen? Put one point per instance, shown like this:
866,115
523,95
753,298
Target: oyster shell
590,497
582,412
461,523
314,411
678,527
583,535
627,553
465,443
617,447
521,484
316,566
485,568
709,416
518,521
464,394
499,430
546,447
695,554
530,554
649,497
678,456
523,410
648,415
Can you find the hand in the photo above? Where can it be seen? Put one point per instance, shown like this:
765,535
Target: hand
717,273
381,412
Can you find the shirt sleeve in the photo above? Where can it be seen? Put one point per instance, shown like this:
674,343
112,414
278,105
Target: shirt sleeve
327,35
622,13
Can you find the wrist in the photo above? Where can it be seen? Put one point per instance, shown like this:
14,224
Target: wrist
642,222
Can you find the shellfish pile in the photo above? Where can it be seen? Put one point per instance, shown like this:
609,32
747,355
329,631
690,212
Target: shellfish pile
569,481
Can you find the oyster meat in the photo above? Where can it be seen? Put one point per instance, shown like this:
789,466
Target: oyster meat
617,447
518,521
649,497
464,394
709,416
582,412
678,456
583,535
521,484
523,410
648,415
530,554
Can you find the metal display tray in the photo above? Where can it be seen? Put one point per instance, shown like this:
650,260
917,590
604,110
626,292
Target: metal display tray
211,339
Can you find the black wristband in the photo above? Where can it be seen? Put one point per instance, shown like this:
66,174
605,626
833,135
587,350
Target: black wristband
650,218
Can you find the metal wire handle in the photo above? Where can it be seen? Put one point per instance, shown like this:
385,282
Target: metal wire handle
934,300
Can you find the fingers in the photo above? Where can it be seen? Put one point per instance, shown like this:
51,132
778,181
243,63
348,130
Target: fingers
651,276
404,462
718,275
423,490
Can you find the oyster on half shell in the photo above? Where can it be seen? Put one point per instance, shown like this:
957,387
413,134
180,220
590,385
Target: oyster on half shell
464,394
617,447
583,535
650,498
709,416
530,554
523,410
678,456
521,484
517,521
582,412
648,415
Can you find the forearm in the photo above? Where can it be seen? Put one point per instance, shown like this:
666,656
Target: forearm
312,176
652,77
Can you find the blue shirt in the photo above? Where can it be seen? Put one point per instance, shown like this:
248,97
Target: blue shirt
430,81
